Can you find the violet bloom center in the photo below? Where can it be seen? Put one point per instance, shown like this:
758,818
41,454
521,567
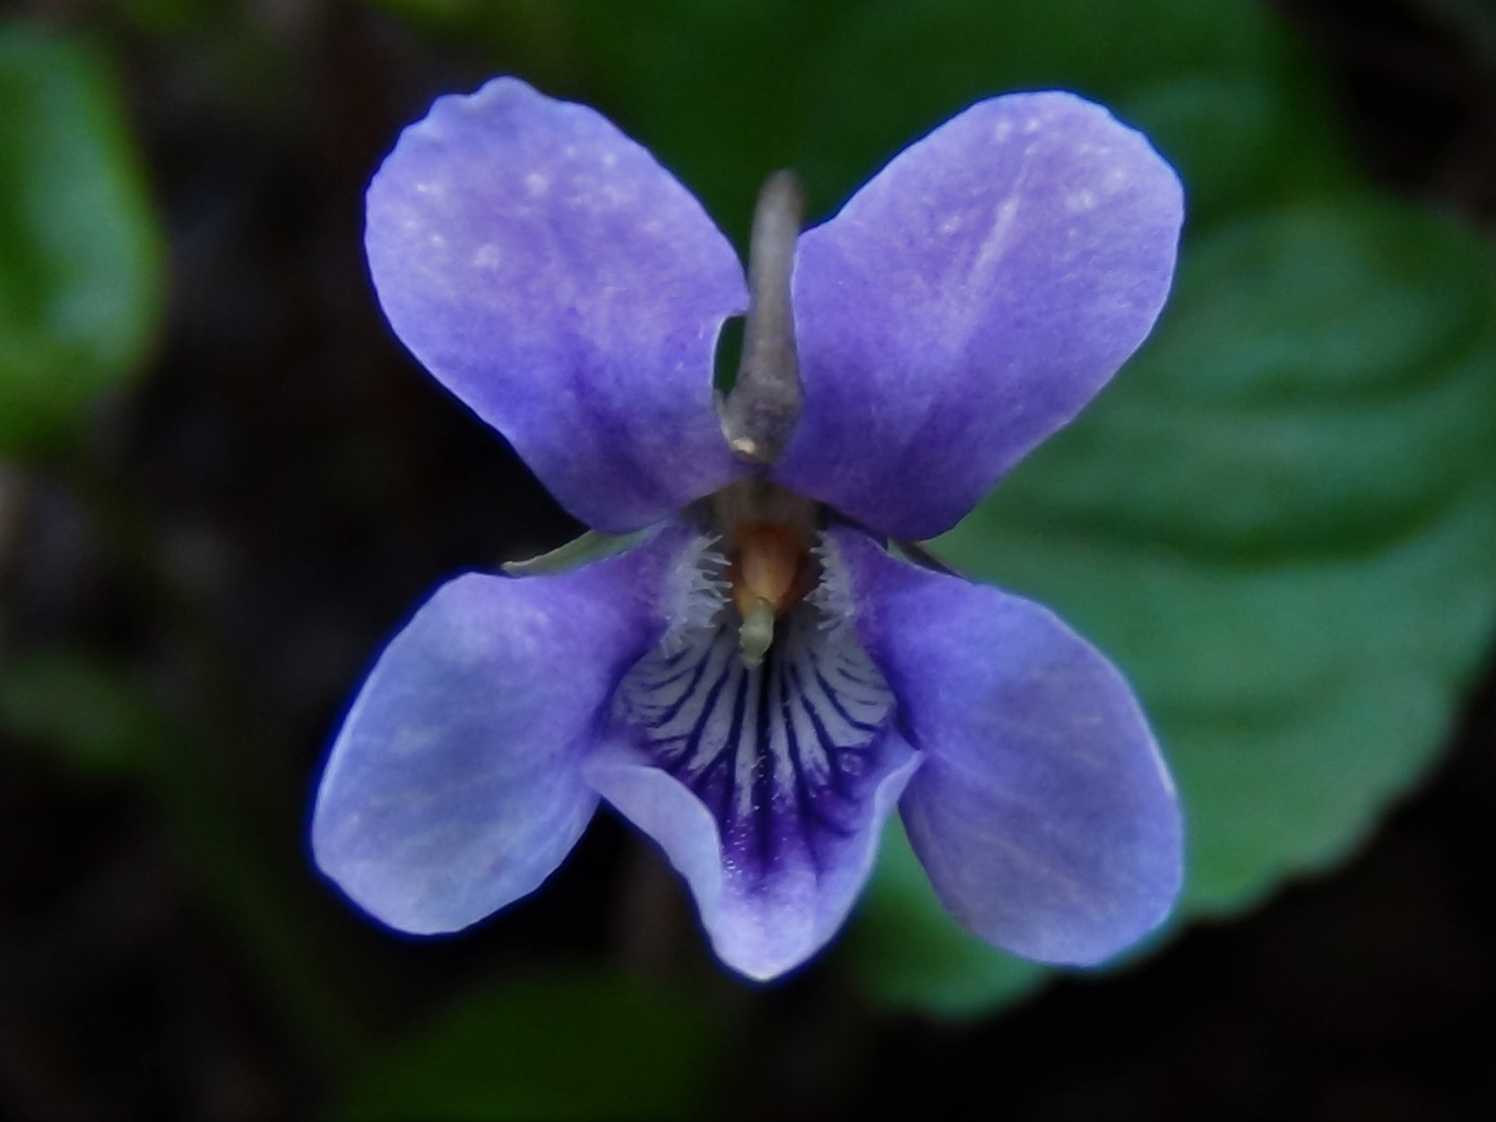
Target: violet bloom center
760,698
777,740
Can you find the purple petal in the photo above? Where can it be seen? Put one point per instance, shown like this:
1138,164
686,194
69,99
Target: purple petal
560,282
455,786
767,788
1043,812
969,301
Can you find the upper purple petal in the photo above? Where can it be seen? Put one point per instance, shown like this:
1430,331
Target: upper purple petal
1043,811
767,788
969,300
560,282
454,786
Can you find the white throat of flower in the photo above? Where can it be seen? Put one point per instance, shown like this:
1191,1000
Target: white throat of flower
700,594
792,729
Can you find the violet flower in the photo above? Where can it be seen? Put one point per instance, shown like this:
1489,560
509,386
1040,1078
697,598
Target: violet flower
757,683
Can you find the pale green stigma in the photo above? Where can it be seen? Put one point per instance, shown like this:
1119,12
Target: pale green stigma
756,633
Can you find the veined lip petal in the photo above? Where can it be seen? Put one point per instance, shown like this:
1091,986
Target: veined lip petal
767,786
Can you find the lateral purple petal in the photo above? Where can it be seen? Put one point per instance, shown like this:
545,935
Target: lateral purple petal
455,786
767,788
567,288
969,300
1043,811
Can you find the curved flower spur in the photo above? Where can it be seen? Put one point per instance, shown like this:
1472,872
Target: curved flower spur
755,681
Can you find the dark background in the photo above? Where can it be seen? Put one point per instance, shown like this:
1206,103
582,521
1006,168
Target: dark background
286,513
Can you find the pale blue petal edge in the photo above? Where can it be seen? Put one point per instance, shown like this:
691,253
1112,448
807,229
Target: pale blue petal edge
550,273
1043,812
969,300
454,786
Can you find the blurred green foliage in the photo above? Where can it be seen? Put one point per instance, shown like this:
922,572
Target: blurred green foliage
565,1045
80,250
105,723
84,711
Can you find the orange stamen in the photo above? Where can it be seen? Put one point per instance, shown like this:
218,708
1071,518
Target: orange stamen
770,564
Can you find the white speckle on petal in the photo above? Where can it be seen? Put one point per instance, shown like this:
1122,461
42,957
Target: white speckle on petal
997,240
1082,200
537,184
413,740
487,256
1002,130
951,224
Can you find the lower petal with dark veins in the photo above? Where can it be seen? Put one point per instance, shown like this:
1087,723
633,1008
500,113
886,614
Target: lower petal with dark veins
768,785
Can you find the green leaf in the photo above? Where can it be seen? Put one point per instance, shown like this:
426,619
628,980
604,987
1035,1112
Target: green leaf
563,1045
80,255
1280,521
